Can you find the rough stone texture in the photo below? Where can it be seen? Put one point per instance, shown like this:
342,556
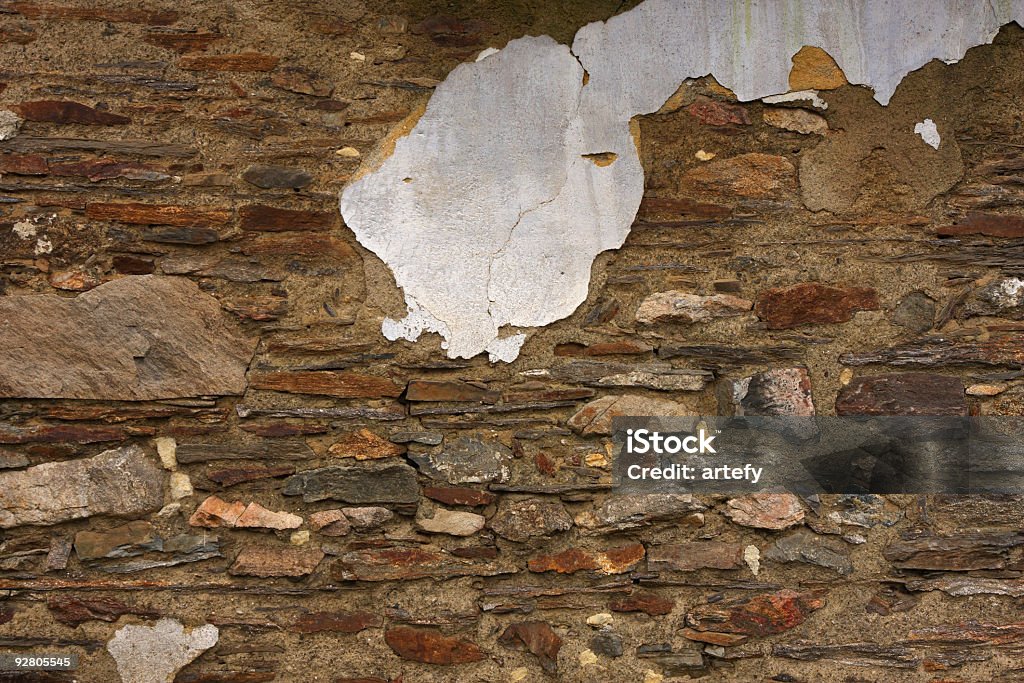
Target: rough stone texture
467,461
154,654
118,482
267,561
537,638
676,306
421,645
522,520
451,522
902,394
137,338
596,417
609,561
766,510
812,303
359,485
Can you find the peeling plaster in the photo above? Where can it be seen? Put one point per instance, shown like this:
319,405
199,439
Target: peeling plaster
507,210
929,133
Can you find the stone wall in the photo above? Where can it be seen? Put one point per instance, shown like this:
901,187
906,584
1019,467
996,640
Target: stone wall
215,468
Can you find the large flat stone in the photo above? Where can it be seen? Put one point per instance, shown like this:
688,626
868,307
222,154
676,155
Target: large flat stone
116,482
138,338
359,485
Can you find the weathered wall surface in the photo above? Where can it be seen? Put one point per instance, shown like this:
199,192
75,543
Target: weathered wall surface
215,468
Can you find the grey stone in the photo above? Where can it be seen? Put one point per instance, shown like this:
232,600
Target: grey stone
117,482
154,654
915,311
136,338
367,517
607,643
428,438
621,512
805,546
11,460
279,177
364,484
466,461
522,520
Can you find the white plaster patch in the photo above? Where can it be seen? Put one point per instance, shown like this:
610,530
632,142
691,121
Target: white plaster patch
490,212
484,54
505,349
154,654
929,133
809,96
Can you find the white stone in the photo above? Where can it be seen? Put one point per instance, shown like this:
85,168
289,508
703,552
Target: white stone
180,486
929,133
154,654
600,620
452,522
491,210
167,449
10,123
752,556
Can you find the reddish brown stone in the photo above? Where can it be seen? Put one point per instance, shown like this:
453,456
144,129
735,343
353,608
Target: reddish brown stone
327,383
714,113
312,245
773,511
34,10
182,41
267,561
23,164
337,622
451,31
214,512
430,647
903,394
657,209
10,434
760,615
754,175
132,265
365,445
722,639
459,496
965,551
812,303
262,218
59,111
246,61
612,561
447,390
482,552
237,475
537,638
642,601
390,564
302,81
991,224
256,516
73,611
688,557
109,169
156,214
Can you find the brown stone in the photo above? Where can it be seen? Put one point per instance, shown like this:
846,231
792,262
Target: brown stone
521,520
182,41
230,476
447,390
302,81
330,523
754,175
991,224
694,555
903,394
214,512
337,622
268,561
595,418
759,615
277,177
35,10
117,482
156,214
73,611
459,496
246,61
712,638
715,113
965,551
773,511
779,391
365,445
262,218
136,338
624,348
796,120
683,307
642,601
121,541
537,638
312,245
327,383
633,511
611,561
256,516
812,303
109,169
401,564
23,164
430,647
814,69
58,111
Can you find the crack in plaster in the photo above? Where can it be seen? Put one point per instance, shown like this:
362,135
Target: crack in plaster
501,131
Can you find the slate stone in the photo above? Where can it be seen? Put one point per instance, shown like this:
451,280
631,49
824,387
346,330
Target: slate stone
126,540
616,560
521,520
804,546
809,303
59,111
466,460
621,512
536,637
430,647
915,311
607,643
136,338
694,555
757,615
116,482
903,394
277,177
360,485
